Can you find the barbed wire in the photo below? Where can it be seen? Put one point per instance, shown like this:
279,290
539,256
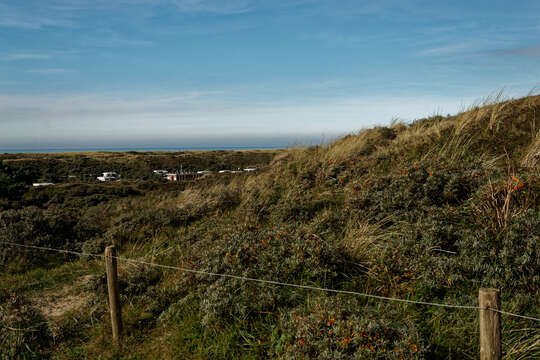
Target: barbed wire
271,282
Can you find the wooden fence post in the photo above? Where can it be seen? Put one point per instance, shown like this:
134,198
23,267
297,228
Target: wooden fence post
490,324
114,292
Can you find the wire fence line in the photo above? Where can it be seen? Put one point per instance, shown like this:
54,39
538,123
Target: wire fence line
270,282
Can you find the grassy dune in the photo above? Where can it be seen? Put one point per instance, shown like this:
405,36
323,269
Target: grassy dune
427,211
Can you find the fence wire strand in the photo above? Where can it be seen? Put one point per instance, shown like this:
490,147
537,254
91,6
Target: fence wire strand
270,282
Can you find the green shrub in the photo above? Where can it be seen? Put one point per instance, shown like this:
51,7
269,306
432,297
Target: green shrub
343,328
507,259
283,255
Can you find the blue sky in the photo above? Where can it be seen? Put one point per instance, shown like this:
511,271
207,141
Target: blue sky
250,72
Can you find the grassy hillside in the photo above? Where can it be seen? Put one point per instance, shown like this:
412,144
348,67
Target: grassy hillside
427,211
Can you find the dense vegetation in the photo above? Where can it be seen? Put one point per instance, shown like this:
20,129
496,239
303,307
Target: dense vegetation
133,165
429,211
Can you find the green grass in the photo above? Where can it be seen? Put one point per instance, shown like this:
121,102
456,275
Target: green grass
48,278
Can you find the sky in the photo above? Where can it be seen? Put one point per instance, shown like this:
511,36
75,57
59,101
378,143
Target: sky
218,73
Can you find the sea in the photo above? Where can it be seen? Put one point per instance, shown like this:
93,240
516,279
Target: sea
141,149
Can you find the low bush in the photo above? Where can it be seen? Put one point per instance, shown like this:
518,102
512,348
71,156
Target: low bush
343,328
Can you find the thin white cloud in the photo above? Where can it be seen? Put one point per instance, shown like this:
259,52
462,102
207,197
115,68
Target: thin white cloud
12,20
357,40
20,17
25,56
347,9
5,82
231,7
527,51
447,49
110,38
49,71
38,14
202,114
198,29
473,46
213,6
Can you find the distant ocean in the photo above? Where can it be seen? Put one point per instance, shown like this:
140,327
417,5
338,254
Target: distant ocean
124,149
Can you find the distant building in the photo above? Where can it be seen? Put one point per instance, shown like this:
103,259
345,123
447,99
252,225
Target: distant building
108,176
203,172
161,172
224,171
172,177
250,169
42,184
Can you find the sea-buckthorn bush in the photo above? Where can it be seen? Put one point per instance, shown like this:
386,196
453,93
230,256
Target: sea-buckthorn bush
304,209
344,328
284,255
426,250
10,188
508,259
505,196
36,227
411,193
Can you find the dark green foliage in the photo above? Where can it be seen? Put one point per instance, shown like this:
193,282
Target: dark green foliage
412,193
32,226
303,258
62,168
305,209
10,189
508,259
344,328
55,228
78,195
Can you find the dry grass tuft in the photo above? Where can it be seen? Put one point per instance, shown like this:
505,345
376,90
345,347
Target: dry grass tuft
364,143
362,240
524,344
532,157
